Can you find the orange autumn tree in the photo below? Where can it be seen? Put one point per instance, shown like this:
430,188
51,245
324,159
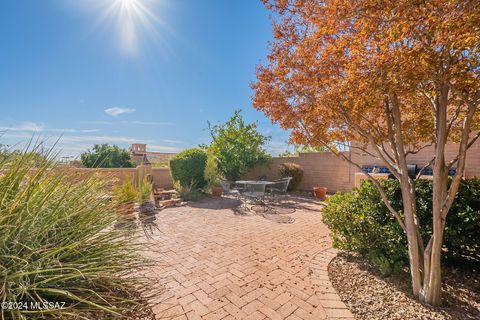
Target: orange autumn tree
386,78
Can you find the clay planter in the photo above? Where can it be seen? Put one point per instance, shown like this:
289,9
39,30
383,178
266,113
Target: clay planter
217,191
126,211
320,192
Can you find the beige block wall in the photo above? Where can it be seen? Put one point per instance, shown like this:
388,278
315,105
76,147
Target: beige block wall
162,178
117,175
320,169
472,165
325,169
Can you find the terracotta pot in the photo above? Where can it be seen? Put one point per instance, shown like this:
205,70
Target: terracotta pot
125,212
126,209
217,191
320,192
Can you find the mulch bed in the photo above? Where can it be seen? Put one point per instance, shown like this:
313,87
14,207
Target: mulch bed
369,296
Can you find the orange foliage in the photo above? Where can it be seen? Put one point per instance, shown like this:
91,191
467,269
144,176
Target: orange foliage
333,63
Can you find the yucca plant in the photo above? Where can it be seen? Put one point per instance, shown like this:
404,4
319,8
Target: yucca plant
145,196
57,245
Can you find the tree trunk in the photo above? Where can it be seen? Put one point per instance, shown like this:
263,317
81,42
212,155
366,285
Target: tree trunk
432,279
414,252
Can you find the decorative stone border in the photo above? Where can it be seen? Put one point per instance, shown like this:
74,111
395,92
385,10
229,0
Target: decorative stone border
326,294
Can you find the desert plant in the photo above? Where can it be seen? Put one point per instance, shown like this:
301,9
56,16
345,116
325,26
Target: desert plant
293,170
57,245
125,193
188,167
189,192
144,190
211,174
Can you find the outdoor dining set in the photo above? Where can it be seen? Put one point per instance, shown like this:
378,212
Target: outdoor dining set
263,196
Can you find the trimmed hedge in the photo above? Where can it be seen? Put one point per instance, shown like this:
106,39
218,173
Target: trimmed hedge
188,167
290,169
360,222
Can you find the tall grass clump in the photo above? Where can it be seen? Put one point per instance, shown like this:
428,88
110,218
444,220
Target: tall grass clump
57,246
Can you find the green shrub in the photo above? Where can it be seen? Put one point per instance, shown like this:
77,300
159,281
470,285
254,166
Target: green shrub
188,167
289,169
190,193
360,222
125,193
144,190
57,244
211,174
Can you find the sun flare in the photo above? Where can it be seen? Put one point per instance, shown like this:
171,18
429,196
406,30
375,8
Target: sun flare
132,21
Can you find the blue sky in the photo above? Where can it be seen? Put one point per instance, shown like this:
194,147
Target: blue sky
124,71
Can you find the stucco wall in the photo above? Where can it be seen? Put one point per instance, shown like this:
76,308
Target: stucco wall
325,169
320,168
162,178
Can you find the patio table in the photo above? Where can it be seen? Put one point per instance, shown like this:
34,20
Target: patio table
253,188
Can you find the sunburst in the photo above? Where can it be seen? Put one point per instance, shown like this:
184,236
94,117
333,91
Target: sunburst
132,20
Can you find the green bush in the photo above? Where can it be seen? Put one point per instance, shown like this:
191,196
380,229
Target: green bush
290,169
144,190
360,222
190,193
57,244
125,193
188,167
211,174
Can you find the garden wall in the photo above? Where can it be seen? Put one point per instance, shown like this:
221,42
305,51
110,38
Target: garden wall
325,169
320,169
161,176
116,175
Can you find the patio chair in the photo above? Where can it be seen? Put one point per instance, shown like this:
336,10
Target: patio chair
279,187
229,188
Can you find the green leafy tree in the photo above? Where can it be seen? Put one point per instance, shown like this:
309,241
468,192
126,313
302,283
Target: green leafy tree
238,146
107,156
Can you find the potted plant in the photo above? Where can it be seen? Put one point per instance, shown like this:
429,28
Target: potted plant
212,175
320,192
124,197
146,204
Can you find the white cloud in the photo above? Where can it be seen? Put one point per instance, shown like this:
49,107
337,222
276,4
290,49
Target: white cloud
24,126
149,123
101,139
116,111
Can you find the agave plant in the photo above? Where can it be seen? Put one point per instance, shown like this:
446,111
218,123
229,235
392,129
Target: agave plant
57,245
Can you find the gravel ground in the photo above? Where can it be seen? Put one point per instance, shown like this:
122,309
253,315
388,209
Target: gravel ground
369,296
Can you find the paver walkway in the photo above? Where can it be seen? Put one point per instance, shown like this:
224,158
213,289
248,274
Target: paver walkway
218,265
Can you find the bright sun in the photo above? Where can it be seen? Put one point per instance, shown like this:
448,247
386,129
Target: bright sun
132,20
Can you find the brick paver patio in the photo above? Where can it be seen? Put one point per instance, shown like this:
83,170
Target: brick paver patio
219,265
